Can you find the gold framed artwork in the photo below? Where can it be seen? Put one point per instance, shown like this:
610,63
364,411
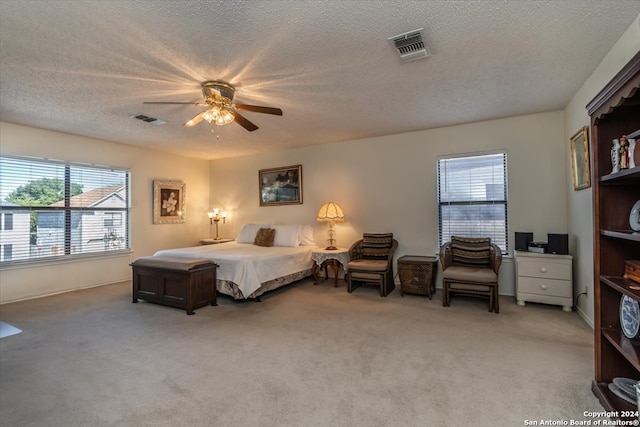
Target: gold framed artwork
280,186
580,159
168,202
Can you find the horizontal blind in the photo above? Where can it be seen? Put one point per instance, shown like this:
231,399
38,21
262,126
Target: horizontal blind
54,209
472,198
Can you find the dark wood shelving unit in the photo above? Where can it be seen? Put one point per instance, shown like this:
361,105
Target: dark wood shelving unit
614,112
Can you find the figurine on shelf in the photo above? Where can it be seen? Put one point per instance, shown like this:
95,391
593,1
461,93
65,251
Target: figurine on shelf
624,152
615,156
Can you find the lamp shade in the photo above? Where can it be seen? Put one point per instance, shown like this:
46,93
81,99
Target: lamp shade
330,212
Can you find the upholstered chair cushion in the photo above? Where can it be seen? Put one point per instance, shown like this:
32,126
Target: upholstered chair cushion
368,265
470,274
471,251
376,245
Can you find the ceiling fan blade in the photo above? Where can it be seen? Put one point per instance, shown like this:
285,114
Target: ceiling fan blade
197,119
170,102
259,109
242,121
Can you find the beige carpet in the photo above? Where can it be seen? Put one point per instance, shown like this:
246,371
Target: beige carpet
306,356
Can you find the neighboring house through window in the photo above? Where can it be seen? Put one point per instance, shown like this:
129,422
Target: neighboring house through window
52,209
472,197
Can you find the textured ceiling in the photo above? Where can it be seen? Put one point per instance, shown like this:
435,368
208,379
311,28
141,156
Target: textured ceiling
85,67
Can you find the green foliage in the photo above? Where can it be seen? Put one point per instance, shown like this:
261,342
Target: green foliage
42,192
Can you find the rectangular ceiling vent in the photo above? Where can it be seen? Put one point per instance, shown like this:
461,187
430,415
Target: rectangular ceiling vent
411,45
148,119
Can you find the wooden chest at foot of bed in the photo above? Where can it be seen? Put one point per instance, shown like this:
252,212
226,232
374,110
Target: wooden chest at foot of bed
186,283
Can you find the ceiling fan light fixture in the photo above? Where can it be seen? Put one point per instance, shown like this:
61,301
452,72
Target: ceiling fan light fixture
218,115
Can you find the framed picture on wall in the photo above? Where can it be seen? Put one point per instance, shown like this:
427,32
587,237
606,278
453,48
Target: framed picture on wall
580,159
168,202
280,186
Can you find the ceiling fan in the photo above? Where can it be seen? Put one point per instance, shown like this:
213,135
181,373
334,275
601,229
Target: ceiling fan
218,98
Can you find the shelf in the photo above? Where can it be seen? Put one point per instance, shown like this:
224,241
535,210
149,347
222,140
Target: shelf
634,236
610,401
623,177
622,285
628,348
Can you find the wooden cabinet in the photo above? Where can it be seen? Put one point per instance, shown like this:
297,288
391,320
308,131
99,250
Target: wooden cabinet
544,278
614,112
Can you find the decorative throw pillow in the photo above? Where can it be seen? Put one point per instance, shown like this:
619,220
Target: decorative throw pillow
376,245
471,251
264,237
248,232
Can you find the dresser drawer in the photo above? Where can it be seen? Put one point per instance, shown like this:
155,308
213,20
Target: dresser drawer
531,285
546,269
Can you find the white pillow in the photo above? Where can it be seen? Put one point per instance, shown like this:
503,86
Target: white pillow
287,235
306,236
248,232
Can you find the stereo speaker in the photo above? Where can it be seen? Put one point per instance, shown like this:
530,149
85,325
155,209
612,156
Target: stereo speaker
523,240
558,244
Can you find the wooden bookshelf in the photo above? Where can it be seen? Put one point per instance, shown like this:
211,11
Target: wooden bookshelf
614,112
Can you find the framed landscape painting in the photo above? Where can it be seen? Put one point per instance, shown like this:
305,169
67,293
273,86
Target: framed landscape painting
168,202
280,186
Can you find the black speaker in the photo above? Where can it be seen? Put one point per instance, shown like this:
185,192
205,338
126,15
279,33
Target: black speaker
558,244
522,241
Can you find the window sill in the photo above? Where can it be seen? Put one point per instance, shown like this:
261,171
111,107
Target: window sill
65,259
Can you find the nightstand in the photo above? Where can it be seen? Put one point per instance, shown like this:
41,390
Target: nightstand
214,241
323,258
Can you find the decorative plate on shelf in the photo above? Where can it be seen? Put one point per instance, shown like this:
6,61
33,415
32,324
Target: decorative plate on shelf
621,394
629,317
628,386
634,217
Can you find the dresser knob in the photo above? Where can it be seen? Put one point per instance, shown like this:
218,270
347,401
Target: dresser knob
544,287
544,270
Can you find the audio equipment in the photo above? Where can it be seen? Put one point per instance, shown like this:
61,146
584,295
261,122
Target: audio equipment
523,240
558,244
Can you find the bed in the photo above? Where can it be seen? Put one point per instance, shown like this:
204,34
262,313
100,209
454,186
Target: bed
247,270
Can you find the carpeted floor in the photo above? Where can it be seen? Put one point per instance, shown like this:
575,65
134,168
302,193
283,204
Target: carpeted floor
305,356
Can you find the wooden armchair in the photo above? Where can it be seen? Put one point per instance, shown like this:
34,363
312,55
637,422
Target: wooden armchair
470,266
371,262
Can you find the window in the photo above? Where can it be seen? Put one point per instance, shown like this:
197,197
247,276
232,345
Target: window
112,219
472,198
7,224
59,209
7,252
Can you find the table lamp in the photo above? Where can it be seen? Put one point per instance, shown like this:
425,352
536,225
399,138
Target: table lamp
331,213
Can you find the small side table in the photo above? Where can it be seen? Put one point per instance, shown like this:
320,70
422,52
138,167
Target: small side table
418,275
214,241
323,258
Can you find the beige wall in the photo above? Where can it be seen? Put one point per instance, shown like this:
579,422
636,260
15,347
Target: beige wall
580,203
383,184
145,165
388,184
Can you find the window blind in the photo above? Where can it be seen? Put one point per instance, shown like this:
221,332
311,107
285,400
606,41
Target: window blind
472,198
61,209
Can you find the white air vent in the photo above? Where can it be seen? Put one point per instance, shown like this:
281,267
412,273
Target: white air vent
148,119
411,45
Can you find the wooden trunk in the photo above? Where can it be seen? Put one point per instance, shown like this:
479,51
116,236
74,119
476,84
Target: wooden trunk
186,283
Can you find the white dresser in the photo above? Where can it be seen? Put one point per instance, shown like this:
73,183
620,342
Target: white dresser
544,278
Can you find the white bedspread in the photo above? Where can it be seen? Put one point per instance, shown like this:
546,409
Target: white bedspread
248,265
